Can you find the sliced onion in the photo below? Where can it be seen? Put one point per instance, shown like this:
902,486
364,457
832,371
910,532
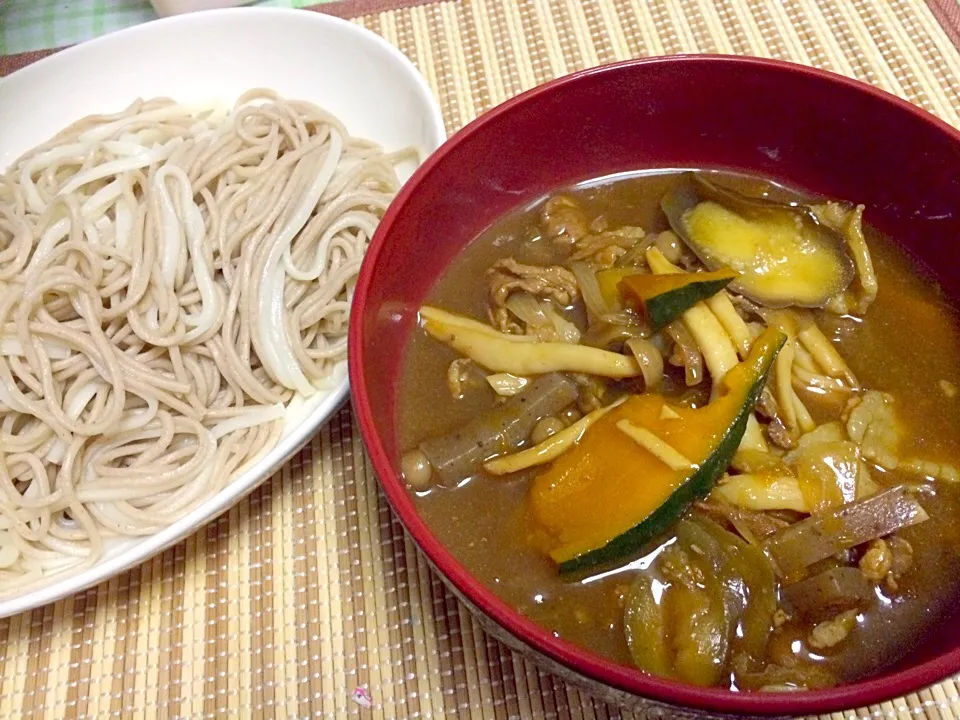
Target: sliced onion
542,314
566,331
743,529
527,309
590,289
692,359
606,335
650,359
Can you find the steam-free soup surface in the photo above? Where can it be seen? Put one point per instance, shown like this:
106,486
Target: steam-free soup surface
906,344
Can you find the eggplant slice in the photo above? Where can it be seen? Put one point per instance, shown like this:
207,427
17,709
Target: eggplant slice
783,254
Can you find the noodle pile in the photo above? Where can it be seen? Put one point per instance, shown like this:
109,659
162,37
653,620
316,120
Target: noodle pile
169,281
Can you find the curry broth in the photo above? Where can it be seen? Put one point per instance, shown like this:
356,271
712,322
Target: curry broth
908,345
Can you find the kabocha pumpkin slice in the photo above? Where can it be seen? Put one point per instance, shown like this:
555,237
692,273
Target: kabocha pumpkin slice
608,280
604,499
664,298
782,253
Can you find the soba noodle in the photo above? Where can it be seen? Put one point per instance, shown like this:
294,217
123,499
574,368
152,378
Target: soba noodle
169,281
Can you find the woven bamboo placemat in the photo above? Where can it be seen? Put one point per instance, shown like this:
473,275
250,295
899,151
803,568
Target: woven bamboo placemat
308,591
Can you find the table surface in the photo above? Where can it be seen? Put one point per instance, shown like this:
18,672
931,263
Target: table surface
307,599
41,24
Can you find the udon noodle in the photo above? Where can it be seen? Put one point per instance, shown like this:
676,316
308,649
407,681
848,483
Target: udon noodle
169,281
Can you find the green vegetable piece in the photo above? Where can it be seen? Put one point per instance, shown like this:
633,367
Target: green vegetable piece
644,622
664,298
759,585
702,623
715,600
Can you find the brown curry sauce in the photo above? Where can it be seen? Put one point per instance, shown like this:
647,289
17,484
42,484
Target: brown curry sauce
908,343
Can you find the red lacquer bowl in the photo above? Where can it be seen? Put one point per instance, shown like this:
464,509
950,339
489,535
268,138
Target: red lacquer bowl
804,127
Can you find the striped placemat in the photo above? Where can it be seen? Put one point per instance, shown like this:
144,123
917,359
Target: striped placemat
307,600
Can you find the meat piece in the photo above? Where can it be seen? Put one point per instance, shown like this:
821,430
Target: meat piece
606,248
757,525
767,407
542,281
593,393
901,560
458,454
563,219
461,373
877,560
901,553
832,632
780,436
504,321
605,256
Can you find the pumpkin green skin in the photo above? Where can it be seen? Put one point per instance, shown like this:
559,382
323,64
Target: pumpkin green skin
695,487
663,309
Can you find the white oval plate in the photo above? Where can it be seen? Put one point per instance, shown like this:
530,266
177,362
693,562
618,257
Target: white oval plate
209,58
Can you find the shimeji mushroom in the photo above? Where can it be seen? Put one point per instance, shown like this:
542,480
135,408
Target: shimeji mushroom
520,354
715,344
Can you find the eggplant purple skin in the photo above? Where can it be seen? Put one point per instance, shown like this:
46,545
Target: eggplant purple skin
698,188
